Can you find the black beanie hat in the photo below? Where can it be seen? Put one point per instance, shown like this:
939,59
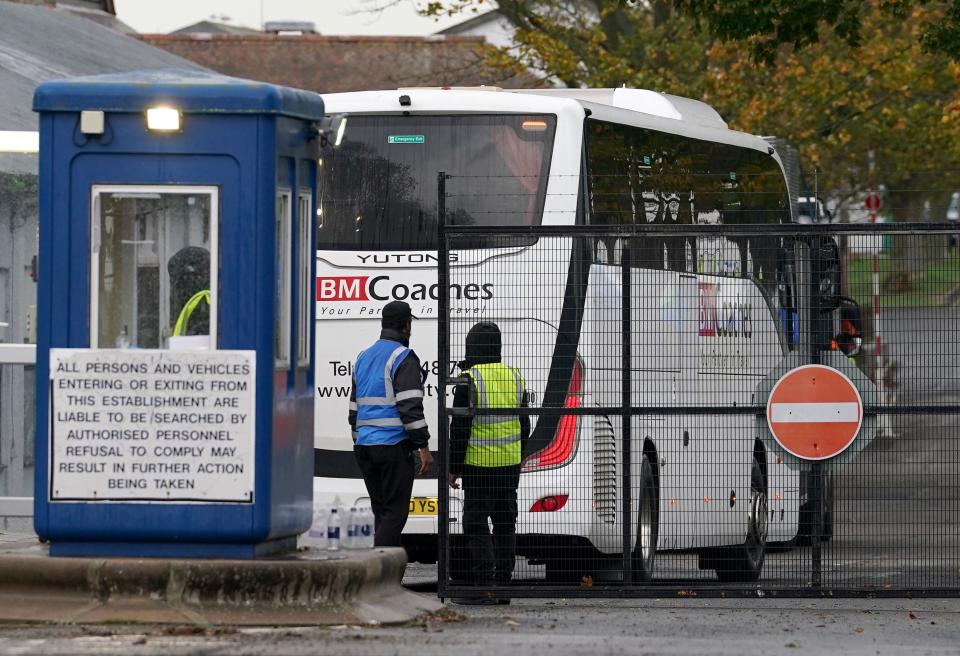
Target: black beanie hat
396,311
483,345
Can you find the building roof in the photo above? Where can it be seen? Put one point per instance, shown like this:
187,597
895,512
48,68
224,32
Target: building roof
100,11
197,92
474,22
101,5
39,43
329,64
213,27
107,6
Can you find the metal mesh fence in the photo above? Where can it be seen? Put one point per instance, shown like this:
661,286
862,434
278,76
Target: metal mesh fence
706,367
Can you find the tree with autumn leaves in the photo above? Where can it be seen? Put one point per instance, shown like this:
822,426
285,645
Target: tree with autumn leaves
870,76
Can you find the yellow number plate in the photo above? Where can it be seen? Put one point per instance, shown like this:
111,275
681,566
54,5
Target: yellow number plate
423,506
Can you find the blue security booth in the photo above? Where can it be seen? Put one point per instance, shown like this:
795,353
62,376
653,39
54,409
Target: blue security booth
175,359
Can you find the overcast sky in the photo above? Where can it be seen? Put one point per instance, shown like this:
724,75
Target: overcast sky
330,16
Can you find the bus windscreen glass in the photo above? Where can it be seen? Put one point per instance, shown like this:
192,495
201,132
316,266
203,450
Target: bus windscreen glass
379,186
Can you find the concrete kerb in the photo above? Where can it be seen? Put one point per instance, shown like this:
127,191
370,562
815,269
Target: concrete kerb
360,587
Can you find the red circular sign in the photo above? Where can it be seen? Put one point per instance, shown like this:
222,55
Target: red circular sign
872,202
814,412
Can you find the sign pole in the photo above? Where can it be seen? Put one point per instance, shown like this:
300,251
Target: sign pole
443,355
874,204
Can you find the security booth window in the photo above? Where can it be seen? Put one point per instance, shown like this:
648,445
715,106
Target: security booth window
305,256
281,328
154,267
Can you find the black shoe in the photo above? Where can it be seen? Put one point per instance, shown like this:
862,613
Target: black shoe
503,602
485,600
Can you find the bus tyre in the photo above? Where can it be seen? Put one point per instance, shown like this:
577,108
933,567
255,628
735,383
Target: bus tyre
648,524
743,563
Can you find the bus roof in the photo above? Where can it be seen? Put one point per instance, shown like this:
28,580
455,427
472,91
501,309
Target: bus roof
638,107
645,101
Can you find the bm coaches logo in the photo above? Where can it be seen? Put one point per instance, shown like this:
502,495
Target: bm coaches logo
381,288
343,288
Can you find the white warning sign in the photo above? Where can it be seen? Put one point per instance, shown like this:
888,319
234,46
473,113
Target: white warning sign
150,425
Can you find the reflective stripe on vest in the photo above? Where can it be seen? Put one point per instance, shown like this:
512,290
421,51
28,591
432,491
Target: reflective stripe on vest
495,439
378,420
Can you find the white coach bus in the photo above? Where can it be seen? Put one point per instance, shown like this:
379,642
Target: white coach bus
712,315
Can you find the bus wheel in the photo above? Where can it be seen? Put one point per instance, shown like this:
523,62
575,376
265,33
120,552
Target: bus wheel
648,525
743,563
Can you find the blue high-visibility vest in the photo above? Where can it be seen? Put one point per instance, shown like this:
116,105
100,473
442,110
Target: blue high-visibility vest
378,420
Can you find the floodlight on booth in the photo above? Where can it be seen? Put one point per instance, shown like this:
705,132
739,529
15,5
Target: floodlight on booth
164,119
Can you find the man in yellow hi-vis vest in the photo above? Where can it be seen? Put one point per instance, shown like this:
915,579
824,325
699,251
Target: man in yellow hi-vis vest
486,452
189,275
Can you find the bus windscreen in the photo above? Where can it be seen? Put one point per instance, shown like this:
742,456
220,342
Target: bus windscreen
378,187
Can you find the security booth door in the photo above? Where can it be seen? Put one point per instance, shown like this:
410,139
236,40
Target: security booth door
154,267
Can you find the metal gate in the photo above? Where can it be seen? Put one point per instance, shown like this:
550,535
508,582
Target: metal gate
649,357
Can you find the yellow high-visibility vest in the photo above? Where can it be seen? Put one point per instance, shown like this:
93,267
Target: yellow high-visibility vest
495,439
181,326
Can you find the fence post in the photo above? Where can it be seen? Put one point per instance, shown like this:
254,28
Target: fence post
443,356
626,402
816,469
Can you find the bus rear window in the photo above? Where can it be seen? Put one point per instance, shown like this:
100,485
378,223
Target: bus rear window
379,186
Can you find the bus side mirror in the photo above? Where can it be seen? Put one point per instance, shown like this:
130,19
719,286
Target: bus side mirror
828,274
850,338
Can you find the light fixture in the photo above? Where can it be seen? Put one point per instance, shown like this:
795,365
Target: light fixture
164,119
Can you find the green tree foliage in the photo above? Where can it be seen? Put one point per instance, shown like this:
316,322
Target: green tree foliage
863,79
768,24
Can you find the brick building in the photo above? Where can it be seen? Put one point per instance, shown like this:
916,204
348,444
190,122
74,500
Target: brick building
342,63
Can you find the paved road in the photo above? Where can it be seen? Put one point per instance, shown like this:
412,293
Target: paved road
557,628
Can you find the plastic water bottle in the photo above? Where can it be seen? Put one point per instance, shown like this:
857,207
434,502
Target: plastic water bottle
123,341
317,535
333,530
366,527
353,530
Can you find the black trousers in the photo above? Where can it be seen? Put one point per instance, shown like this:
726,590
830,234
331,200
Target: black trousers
388,474
491,493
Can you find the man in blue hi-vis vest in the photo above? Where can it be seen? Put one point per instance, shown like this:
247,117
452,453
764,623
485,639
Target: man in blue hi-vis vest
386,417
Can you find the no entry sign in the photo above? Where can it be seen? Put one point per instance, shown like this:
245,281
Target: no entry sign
814,412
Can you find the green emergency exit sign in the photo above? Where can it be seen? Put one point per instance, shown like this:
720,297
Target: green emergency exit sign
405,139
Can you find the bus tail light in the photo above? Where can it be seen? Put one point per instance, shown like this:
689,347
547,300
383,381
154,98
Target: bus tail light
550,504
563,446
